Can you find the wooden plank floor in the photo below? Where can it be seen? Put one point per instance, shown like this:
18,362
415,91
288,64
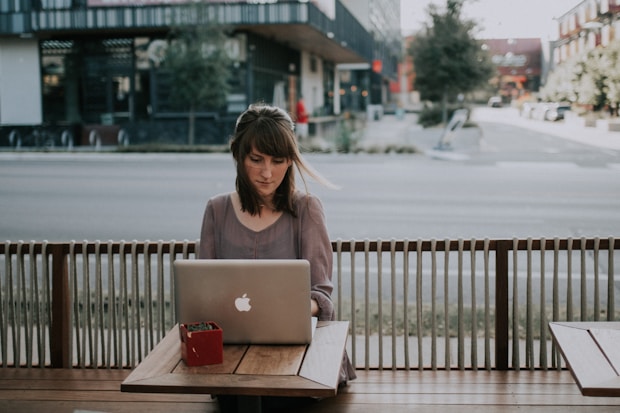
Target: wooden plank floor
465,392
51,391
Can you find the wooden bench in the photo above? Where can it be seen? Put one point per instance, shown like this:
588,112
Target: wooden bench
36,390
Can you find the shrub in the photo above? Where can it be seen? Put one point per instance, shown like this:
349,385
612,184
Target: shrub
432,115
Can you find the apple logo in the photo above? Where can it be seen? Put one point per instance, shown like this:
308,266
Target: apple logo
243,303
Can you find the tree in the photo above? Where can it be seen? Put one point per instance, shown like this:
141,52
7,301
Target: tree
198,64
448,60
612,82
559,84
591,79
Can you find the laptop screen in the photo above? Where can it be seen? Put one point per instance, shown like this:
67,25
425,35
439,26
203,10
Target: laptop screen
253,301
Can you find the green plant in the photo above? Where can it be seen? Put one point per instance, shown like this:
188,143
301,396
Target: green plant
433,115
197,65
202,326
344,140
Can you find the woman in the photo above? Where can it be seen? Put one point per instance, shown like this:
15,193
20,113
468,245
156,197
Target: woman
266,217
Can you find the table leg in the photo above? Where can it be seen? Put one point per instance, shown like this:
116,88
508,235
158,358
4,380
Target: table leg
249,404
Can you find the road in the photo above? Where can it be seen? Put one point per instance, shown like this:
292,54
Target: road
499,181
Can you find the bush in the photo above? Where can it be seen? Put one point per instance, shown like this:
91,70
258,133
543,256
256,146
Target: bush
432,115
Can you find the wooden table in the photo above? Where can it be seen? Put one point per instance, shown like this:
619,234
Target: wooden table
249,371
592,353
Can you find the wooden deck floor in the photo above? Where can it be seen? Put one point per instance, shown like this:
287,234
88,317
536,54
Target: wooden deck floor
72,391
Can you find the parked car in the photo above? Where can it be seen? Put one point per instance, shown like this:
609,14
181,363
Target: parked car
527,109
495,102
550,111
556,111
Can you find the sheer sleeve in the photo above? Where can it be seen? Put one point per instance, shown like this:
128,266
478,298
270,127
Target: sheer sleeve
207,233
316,248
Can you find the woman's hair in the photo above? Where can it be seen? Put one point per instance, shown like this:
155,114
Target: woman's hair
269,130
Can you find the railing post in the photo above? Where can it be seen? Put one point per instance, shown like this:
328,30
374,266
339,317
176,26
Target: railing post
60,333
501,305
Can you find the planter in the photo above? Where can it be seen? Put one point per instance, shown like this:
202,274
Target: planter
608,125
586,121
614,126
201,343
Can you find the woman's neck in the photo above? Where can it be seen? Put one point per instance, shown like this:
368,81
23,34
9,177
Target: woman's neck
266,216
267,204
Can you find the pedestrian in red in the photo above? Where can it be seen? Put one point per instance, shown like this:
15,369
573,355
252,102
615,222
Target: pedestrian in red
301,125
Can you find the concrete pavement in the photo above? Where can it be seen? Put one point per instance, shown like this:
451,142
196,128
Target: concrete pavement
562,129
391,132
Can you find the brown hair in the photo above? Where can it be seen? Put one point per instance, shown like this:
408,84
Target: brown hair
269,130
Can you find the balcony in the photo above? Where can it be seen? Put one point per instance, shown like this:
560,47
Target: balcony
301,25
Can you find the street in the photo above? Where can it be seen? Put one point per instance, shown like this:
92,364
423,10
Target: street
499,181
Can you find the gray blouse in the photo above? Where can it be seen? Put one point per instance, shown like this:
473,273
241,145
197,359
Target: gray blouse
223,236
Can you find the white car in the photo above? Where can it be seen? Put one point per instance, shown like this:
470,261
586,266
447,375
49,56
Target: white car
495,102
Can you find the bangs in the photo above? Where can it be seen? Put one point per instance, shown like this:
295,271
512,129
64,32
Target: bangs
267,137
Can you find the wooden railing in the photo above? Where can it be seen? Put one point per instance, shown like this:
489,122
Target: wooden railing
412,304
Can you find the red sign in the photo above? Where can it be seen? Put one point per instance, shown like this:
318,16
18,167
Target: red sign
377,66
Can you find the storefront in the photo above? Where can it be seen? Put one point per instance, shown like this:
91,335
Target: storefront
519,66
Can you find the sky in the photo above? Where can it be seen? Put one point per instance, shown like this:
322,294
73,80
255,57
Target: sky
497,19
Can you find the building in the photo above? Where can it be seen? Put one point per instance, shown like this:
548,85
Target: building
407,98
591,23
91,66
518,71
519,66
381,18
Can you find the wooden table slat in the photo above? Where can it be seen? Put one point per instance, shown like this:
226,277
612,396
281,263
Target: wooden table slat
586,359
609,342
272,360
325,351
161,360
243,385
232,357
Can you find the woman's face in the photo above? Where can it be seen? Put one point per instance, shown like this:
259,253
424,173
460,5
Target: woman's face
265,172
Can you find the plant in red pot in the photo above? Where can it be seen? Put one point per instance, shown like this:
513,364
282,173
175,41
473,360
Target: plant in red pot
201,343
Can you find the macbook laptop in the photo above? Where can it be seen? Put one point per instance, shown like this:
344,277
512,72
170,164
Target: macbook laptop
253,301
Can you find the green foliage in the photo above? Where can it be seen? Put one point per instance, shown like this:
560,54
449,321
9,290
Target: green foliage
198,65
202,326
559,85
345,138
432,115
448,60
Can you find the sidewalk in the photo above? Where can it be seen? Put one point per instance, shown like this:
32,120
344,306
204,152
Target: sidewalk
404,134
586,135
391,131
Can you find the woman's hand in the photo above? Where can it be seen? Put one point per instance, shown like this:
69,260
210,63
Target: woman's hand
314,308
